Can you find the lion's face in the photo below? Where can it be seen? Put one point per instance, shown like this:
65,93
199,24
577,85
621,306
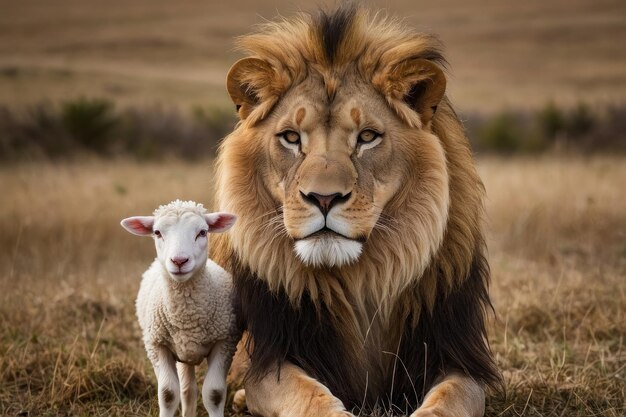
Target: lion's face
329,165
333,165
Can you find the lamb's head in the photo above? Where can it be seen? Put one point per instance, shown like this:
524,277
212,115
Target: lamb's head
180,231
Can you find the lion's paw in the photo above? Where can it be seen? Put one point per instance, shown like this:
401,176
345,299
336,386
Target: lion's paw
428,412
342,414
239,401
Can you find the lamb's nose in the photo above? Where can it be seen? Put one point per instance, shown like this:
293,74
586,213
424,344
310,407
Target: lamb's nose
179,261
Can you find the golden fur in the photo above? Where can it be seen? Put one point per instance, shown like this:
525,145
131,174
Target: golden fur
415,199
288,46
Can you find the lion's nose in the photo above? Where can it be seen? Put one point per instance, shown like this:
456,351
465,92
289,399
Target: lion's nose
325,202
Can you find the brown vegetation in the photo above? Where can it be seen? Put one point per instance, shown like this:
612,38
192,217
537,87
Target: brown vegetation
69,344
72,129
95,127
558,258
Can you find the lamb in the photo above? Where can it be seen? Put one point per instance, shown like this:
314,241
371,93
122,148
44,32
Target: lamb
184,306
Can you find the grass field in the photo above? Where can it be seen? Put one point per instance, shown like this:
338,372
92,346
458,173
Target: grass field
556,227
69,343
502,54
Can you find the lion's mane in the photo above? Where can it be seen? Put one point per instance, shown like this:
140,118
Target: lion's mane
418,295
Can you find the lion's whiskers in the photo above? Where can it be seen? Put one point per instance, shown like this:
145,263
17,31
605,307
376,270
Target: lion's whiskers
275,211
275,226
387,224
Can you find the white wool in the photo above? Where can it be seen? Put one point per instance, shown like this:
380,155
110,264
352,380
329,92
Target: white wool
178,207
190,318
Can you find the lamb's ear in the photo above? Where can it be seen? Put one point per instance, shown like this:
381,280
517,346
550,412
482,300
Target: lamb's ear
139,225
416,82
220,222
252,83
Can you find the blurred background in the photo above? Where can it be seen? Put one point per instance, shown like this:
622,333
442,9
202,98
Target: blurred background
146,78
108,109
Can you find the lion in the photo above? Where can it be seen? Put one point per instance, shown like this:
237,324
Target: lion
359,258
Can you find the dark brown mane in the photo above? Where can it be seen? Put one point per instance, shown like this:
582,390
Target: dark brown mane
450,338
333,28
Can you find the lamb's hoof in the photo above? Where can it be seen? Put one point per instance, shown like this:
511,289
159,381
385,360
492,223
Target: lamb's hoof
239,401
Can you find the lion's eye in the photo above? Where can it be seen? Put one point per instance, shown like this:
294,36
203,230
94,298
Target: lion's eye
290,137
368,136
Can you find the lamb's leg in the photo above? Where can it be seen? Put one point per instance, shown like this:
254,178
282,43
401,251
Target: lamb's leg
214,387
167,379
188,388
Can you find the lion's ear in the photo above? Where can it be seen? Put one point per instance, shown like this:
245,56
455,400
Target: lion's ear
416,82
250,83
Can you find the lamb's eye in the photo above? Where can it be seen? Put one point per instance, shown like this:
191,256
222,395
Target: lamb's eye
368,135
157,233
290,137
201,234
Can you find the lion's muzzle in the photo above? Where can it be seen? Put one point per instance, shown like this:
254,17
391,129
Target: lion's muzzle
325,202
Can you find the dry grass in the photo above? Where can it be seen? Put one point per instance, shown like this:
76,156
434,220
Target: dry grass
69,344
558,257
